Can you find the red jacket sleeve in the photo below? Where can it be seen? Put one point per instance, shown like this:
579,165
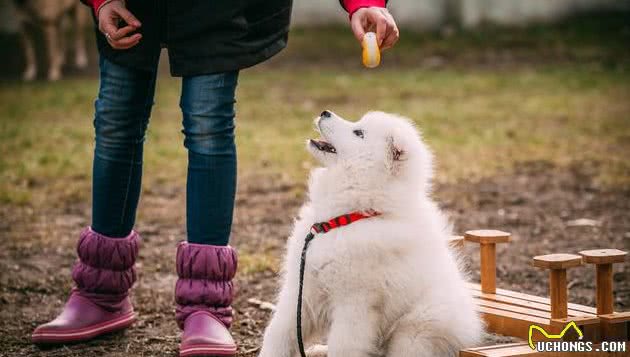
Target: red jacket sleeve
350,5
353,5
94,4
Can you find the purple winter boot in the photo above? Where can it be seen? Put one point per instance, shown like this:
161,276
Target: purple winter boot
204,293
99,303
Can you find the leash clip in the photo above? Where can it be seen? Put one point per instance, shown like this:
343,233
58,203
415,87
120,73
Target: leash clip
321,227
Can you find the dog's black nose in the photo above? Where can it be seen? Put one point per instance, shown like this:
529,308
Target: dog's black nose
325,114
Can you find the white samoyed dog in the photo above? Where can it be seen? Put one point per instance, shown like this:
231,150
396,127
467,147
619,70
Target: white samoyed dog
383,286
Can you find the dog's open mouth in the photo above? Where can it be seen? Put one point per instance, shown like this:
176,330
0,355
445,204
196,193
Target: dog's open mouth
321,145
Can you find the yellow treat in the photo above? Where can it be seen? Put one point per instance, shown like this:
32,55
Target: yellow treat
371,52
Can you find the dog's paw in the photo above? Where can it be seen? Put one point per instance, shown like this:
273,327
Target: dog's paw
317,351
267,351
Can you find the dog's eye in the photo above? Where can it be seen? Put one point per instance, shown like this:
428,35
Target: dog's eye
359,133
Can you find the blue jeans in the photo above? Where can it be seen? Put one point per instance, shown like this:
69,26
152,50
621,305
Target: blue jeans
122,115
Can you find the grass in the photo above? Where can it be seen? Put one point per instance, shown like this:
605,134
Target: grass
479,118
590,38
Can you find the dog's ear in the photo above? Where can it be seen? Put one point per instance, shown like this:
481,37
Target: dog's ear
396,153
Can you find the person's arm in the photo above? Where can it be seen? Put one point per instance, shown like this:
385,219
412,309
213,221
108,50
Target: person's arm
371,15
108,14
95,4
351,6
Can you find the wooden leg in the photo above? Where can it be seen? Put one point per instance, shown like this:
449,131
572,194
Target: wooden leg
558,293
605,301
604,289
488,268
615,326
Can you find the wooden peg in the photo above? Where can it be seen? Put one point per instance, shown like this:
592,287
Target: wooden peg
488,240
603,260
557,265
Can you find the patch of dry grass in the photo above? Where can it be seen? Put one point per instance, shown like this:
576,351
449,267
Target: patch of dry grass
571,105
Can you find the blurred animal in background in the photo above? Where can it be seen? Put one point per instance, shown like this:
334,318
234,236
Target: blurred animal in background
52,17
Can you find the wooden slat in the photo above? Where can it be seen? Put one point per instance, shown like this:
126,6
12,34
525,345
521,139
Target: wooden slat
523,303
515,321
580,320
510,323
616,326
589,325
508,349
586,310
617,317
513,308
523,350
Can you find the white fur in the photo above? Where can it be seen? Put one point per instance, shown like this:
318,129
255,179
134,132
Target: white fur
383,286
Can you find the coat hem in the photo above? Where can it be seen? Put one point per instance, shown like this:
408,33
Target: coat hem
231,63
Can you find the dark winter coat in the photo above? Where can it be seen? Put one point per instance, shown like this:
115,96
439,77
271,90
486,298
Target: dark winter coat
203,36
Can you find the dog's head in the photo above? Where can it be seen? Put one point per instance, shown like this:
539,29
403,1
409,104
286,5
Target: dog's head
381,154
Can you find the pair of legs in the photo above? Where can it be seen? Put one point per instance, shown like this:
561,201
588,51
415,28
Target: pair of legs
122,115
107,251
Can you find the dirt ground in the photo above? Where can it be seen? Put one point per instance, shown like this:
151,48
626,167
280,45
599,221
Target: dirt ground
535,202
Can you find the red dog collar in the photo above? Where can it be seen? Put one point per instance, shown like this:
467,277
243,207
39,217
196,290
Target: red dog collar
316,228
341,221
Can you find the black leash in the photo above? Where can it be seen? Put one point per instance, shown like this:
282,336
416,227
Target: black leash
322,227
307,242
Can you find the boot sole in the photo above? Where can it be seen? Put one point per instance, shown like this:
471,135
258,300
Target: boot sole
86,333
207,351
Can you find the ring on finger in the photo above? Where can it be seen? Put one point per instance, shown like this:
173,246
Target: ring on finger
108,36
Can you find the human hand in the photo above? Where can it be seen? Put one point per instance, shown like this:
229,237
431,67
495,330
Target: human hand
109,16
369,18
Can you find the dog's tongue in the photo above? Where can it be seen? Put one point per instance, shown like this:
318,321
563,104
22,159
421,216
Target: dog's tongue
323,145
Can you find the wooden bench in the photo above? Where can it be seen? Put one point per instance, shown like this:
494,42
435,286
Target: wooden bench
523,350
512,313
